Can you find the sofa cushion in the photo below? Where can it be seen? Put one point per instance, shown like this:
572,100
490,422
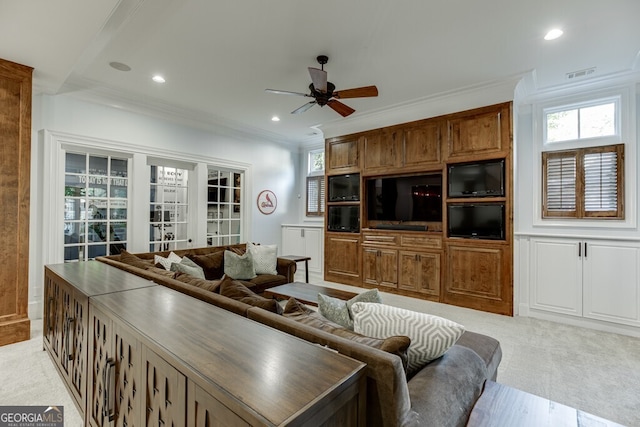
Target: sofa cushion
212,264
134,261
239,267
431,336
207,285
235,290
264,281
166,262
189,267
161,271
265,258
297,311
339,311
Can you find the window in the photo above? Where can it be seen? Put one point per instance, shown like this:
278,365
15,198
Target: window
315,183
315,195
583,183
95,206
596,119
316,161
224,191
168,221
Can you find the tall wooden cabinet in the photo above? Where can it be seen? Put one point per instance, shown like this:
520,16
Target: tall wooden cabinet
15,162
415,257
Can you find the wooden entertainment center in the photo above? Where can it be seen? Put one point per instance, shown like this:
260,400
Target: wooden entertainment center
424,256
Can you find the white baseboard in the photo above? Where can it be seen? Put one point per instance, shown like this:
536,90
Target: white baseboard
582,322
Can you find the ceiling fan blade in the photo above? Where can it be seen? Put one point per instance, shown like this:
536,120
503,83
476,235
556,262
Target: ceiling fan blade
304,108
286,92
359,92
319,79
340,108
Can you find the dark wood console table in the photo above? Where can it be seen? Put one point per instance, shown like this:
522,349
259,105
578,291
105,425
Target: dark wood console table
174,360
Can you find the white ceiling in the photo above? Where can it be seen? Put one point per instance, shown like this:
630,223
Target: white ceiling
219,56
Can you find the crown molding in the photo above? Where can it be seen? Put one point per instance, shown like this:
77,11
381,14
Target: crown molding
435,105
90,91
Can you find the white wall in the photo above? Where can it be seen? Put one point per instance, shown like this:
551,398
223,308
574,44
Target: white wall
273,166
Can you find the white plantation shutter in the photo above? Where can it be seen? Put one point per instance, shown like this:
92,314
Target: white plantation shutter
583,183
315,195
561,183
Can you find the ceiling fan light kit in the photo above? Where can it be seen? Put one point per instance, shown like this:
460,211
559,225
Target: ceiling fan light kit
323,92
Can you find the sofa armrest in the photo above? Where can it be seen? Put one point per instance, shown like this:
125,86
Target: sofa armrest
287,268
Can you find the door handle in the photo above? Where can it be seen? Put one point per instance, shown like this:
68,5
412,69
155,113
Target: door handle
109,388
70,321
585,249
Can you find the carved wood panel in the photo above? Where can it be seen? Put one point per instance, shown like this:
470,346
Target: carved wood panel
206,411
128,379
79,347
100,409
67,332
165,392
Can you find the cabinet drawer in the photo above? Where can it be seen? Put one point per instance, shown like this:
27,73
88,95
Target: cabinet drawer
421,241
380,239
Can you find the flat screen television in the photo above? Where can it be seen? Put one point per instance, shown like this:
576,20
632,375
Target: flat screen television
344,188
343,218
476,221
405,198
479,179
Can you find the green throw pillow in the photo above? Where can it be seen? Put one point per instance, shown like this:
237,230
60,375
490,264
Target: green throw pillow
339,311
239,267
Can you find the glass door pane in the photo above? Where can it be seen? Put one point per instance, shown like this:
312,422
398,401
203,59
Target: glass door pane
224,206
168,212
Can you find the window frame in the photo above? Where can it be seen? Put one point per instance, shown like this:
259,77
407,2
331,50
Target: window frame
579,211
533,115
593,102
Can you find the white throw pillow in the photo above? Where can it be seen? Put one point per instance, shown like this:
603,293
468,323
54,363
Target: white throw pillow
166,262
431,336
265,258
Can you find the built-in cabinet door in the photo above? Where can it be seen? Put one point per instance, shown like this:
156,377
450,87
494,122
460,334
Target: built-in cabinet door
342,155
342,258
422,145
483,132
420,272
306,241
77,343
479,276
597,279
382,150
611,281
556,275
380,267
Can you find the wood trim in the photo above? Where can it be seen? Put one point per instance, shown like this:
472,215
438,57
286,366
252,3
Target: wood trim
15,135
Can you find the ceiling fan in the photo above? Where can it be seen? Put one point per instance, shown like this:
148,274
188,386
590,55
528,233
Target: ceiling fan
324,92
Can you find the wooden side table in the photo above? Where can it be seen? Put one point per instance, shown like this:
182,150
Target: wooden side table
299,258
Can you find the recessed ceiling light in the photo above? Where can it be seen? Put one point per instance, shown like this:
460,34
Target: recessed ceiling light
275,119
158,78
119,66
553,34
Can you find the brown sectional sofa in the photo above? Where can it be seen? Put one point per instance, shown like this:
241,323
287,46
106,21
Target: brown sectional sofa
442,393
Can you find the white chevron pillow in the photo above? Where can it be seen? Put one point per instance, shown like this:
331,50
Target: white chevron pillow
431,336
